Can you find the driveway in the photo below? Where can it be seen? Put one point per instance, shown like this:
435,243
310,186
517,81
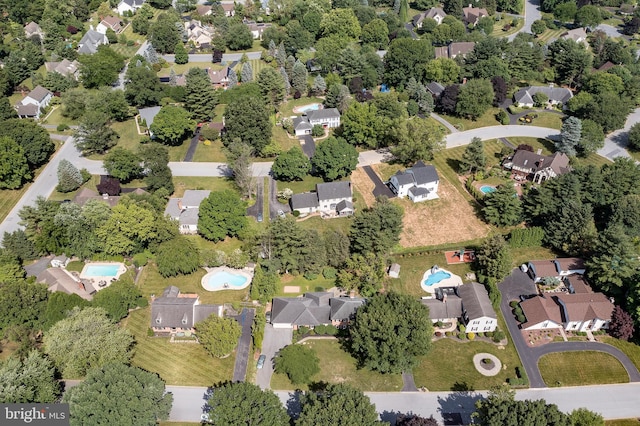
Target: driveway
193,145
308,145
257,208
379,187
616,142
274,204
531,13
274,340
244,344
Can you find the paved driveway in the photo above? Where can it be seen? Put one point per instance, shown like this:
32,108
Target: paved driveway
379,187
274,204
308,145
244,344
274,340
531,13
257,208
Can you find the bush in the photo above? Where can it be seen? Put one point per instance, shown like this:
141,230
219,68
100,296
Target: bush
150,332
141,259
296,213
520,318
489,333
85,175
257,329
462,336
498,336
461,328
471,336
448,334
502,117
329,273
317,130
310,275
514,304
142,302
62,127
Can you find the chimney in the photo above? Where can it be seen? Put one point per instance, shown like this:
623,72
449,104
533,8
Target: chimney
180,206
444,298
470,5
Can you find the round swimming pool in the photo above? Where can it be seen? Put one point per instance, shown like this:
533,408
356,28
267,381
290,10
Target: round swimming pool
486,189
436,278
226,279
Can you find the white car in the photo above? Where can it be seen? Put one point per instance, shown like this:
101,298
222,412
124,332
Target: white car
281,214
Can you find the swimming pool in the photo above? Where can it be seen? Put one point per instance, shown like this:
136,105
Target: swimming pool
225,279
436,278
101,270
486,189
309,107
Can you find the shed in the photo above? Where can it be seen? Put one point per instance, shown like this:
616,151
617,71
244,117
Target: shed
394,270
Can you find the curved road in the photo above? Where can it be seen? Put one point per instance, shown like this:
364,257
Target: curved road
531,13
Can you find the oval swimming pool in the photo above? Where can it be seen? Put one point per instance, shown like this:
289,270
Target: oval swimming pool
225,280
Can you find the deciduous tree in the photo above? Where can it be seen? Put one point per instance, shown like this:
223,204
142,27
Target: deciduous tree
503,409
417,139
377,229
591,138
101,68
291,165
494,258
33,139
118,298
376,34
29,380
142,87
621,325
475,98
122,164
164,34
222,214
334,158
247,119
172,124
241,403
218,336
155,159
178,256
238,37
298,362
337,403
14,170
94,135
363,273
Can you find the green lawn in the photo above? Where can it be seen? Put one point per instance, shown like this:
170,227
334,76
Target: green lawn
499,25
630,349
319,284
487,119
323,225
525,254
185,364
181,69
581,368
307,184
183,183
548,119
551,34
282,139
337,366
56,118
449,365
622,422
212,153
90,184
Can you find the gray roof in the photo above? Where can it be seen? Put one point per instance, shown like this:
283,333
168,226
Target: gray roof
90,41
323,114
305,200
301,123
28,110
333,190
313,309
556,94
173,311
343,308
404,178
475,301
172,210
193,197
58,279
148,114
449,307
424,173
435,88
344,205
134,3
189,217
37,267
418,190
39,93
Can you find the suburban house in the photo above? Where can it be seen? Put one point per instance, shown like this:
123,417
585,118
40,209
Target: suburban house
419,183
326,117
556,95
32,105
559,268
33,29
229,8
468,302
203,10
435,88
186,210
219,78
455,49
331,199
579,35
535,166
65,67
59,279
435,13
197,33
109,23
175,313
146,117
256,28
129,6
313,309
471,15
90,41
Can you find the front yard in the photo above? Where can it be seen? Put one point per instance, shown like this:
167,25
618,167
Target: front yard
581,368
337,366
485,120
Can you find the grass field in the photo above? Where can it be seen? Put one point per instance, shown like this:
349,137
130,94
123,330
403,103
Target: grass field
630,349
499,25
282,139
319,284
548,119
183,364
307,184
182,183
622,422
487,119
581,369
548,35
449,365
212,153
56,118
181,69
337,366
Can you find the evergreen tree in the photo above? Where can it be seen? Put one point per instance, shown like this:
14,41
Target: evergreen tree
181,54
503,207
233,78
474,157
173,78
281,56
403,12
272,48
319,85
570,136
299,77
150,54
285,78
246,75
200,96
69,177
289,63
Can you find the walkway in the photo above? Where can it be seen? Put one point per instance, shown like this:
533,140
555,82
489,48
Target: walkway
408,384
193,145
444,122
244,345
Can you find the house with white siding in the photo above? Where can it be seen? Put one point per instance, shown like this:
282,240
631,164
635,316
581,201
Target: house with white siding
468,303
331,199
186,210
419,182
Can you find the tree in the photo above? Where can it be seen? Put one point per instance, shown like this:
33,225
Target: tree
101,68
473,157
570,136
341,23
360,124
19,245
404,59
94,135
494,258
334,159
319,85
222,214
389,332
99,399
288,247
377,229
181,54
337,97
634,137
263,285
122,164
632,26
239,157
242,403
540,99
584,417
298,362
271,85
589,16
253,128
14,170
118,298
178,256
501,409
444,70
69,177
29,380
376,34
502,207
6,110
565,12
417,139
299,77
218,336
238,37
475,98
86,339
32,137
337,247
621,325
337,404
362,273
142,87
591,138
233,78
59,305
291,165
538,27
614,260
164,34
150,54
200,96
172,124
448,99
22,304
418,421
155,159
569,59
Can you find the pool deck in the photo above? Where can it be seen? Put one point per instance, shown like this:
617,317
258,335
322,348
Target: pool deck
97,279
453,281
210,271
301,109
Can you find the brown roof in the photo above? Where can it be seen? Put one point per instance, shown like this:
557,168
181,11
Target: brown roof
579,284
523,159
472,14
58,279
544,268
570,263
461,48
606,66
539,309
112,22
218,77
202,9
228,7
85,194
442,52
586,306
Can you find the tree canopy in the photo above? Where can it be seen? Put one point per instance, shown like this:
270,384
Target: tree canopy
222,214
298,362
242,403
291,165
31,379
172,124
334,159
247,119
377,229
337,404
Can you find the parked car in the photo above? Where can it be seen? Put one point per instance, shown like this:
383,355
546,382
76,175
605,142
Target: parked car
261,361
260,218
268,316
281,214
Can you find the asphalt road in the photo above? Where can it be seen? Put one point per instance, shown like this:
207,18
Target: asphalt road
531,13
207,57
244,345
496,132
257,208
274,340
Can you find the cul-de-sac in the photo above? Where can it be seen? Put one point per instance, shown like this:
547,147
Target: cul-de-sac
320,213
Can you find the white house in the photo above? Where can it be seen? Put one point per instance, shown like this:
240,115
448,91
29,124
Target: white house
469,303
109,23
90,41
537,167
186,210
333,199
129,6
147,115
419,183
573,312
32,105
256,28
229,8
435,13
197,33
556,95
557,268
326,117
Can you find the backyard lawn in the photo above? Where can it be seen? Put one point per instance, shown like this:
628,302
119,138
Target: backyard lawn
184,364
547,119
581,368
297,186
319,284
282,139
630,349
337,366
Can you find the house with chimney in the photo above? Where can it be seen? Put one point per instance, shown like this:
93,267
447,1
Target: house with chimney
176,314
435,13
59,279
329,118
32,105
579,35
559,268
219,78
313,309
527,165
146,117
471,15
419,182
197,33
468,303
556,95
256,28
331,199
90,41
186,210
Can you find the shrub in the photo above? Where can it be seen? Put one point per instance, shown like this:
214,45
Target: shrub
142,302
498,336
520,317
514,304
329,273
62,127
150,332
310,275
461,328
448,334
471,336
488,333
296,213
141,259
317,130
462,336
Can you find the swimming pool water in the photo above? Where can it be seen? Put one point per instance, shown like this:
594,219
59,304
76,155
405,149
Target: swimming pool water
101,270
487,189
219,279
436,278
310,107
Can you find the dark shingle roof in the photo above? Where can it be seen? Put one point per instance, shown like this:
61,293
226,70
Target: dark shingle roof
424,173
475,301
313,309
304,201
344,205
451,307
333,190
343,308
323,113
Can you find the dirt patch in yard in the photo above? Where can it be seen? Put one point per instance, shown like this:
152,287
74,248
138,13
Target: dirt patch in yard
364,185
449,219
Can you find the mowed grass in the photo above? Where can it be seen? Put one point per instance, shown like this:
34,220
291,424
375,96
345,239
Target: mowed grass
548,35
282,139
485,120
182,183
450,364
581,368
548,119
185,364
319,284
286,109
338,366
213,153
630,349
181,69
622,422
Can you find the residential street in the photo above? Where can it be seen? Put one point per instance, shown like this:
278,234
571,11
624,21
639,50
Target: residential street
531,13
496,132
